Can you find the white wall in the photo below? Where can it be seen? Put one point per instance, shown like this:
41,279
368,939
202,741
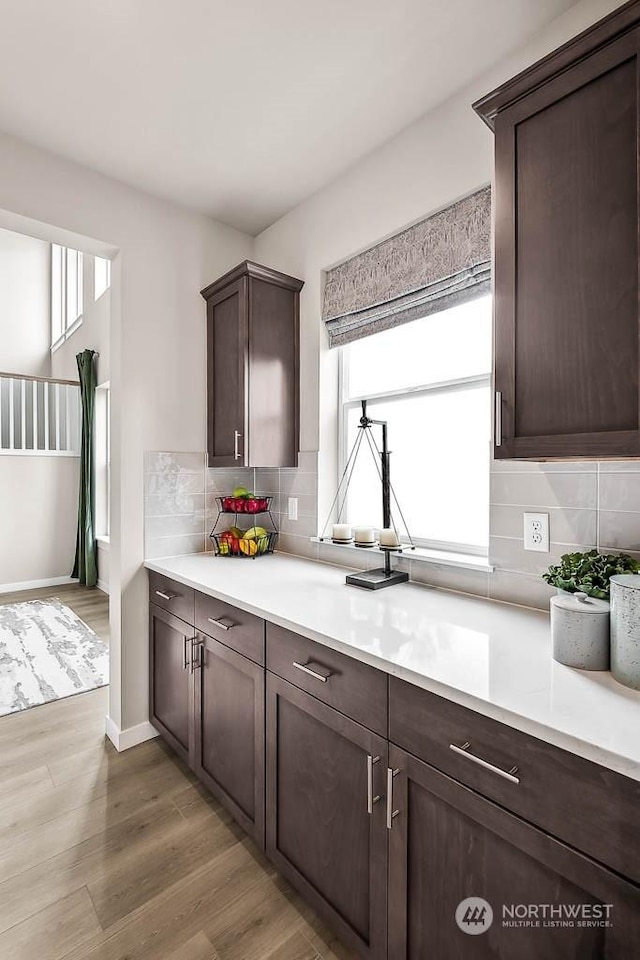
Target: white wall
103,566
25,304
162,256
38,511
444,156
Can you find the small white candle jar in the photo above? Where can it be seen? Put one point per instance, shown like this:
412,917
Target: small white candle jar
389,538
341,533
364,536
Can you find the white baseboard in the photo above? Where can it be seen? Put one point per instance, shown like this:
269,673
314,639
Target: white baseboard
35,584
130,736
101,585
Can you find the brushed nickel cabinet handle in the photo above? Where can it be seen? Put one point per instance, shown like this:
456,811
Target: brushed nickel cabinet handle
185,656
306,668
225,622
391,813
166,596
370,797
197,653
463,751
498,419
236,450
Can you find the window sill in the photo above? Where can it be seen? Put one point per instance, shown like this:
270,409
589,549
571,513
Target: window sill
442,558
104,541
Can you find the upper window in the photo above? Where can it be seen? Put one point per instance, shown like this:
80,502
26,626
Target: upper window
66,292
430,380
101,276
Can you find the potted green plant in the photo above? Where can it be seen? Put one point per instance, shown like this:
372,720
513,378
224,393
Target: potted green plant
589,572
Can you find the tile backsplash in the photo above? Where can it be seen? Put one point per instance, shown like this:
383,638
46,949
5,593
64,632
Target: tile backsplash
180,501
589,505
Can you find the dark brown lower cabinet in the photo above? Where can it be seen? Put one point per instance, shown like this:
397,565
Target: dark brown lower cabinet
170,687
229,731
326,829
447,844
385,846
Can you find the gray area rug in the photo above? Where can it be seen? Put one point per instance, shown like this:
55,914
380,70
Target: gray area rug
47,653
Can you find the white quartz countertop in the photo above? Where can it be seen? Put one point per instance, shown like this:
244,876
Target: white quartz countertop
492,657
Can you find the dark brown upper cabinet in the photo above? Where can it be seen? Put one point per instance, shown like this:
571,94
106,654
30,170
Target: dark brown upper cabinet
253,380
566,249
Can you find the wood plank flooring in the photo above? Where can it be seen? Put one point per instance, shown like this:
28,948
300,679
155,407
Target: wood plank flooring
108,856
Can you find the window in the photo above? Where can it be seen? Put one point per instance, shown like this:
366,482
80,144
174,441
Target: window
101,276
102,436
66,292
430,379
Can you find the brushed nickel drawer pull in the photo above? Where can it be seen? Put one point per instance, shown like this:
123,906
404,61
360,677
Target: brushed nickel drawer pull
463,751
225,622
391,813
236,451
312,673
166,596
370,797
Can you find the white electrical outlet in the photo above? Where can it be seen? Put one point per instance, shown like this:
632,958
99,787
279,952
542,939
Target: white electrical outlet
292,512
536,532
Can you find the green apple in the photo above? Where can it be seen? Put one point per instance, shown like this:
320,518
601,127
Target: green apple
241,492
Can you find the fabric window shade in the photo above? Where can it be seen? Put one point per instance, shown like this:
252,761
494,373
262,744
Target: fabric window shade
435,264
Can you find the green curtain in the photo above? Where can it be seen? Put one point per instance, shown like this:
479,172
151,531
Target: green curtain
85,566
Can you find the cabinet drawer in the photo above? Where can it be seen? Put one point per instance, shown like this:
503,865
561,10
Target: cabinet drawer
587,805
172,596
231,626
355,689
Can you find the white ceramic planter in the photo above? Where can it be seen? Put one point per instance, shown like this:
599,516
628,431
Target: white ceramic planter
625,629
580,631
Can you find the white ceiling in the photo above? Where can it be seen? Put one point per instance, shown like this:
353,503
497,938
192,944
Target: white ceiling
240,109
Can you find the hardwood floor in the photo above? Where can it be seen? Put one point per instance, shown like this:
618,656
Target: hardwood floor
107,856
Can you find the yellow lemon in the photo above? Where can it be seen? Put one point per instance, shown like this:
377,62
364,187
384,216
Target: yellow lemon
249,547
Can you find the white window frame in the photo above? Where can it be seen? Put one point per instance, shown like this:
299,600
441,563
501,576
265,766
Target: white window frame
107,262
67,328
347,403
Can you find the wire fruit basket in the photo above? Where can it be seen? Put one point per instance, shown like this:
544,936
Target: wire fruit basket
251,504
254,540
227,545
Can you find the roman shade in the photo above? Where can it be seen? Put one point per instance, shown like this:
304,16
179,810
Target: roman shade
436,264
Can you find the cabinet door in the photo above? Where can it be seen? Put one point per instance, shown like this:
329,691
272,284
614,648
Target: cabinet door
566,263
274,386
326,815
170,688
229,723
227,333
447,844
